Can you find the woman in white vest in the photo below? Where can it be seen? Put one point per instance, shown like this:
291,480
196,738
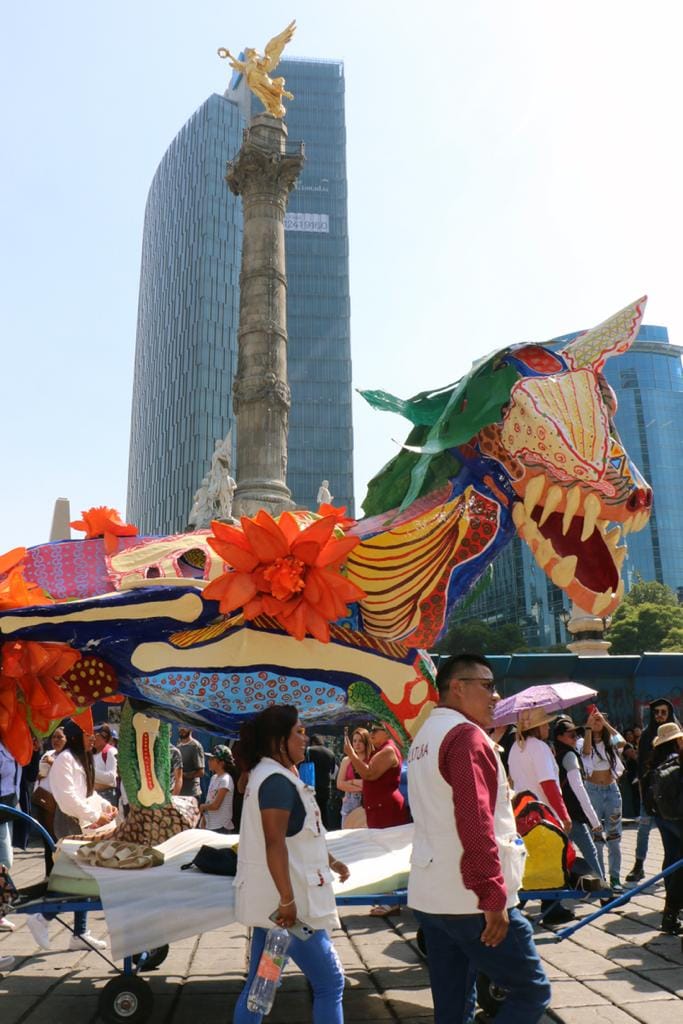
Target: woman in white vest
283,865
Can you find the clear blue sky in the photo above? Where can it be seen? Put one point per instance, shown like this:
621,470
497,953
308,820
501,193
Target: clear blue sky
515,173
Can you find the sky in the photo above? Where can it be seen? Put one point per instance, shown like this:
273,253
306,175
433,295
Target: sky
514,170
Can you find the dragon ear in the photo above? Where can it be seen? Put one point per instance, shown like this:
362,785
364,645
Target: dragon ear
609,338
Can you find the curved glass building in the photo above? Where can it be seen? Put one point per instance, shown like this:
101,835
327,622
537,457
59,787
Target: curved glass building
186,352
188,313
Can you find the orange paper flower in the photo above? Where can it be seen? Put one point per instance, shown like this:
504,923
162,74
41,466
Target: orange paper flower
281,570
30,691
104,522
15,591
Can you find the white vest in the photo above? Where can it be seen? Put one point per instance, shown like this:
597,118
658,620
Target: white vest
256,896
436,884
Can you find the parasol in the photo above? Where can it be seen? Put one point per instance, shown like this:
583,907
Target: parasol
549,696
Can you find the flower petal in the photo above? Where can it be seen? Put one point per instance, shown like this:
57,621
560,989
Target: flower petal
265,542
335,551
240,588
239,558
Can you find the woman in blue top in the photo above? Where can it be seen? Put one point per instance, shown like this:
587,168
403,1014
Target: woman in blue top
283,866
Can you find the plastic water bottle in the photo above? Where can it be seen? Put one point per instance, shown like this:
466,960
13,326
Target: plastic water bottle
271,965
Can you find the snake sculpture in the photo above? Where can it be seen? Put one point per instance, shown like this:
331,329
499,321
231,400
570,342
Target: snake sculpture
331,614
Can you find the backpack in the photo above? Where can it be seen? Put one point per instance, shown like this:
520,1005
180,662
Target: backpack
666,789
214,860
550,854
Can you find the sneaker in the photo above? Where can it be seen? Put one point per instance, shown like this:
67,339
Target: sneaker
86,941
38,926
7,963
6,925
616,886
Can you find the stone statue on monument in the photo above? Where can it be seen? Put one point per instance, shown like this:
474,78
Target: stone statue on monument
324,496
255,68
221,484
200,514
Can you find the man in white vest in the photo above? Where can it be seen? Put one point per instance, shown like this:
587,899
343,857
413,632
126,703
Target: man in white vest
467,862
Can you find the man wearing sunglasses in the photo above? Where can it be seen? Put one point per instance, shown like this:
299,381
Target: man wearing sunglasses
467,860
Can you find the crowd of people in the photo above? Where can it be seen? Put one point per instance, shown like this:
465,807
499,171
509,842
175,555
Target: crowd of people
467,858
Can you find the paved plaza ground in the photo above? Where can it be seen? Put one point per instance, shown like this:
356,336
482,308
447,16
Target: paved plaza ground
617,971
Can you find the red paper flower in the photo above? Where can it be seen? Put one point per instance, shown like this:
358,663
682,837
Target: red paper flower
104,522
30,692
282,570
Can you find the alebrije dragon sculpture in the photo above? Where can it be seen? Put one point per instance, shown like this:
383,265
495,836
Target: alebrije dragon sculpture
324,612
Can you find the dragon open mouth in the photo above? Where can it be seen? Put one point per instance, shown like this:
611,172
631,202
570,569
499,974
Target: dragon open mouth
579,551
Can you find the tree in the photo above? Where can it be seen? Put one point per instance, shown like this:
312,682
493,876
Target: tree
646,626
479,637
648,592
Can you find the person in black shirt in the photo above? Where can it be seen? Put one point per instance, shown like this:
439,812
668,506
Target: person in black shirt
325,770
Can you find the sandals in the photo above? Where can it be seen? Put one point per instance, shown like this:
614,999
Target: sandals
384,911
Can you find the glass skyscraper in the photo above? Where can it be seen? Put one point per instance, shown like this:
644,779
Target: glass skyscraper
186,352
648,383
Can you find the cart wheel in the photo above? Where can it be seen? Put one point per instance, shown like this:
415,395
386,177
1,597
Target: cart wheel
489,995
126,998
155,957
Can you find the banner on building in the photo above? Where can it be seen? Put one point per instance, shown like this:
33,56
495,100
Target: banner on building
307,222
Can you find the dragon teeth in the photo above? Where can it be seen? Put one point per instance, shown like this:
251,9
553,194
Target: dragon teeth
571,508
552,500
591,510
534,490
602,601
562,573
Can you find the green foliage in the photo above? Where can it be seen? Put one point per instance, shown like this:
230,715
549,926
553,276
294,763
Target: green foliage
479,637
648,592
646,626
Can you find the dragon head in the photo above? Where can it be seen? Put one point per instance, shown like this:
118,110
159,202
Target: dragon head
528,435
575,492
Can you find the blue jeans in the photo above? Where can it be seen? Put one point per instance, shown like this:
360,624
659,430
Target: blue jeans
580,834
6,844
318,960
643,836
607,803
456,955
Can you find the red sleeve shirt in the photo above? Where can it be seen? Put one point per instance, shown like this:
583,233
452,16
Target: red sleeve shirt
469,766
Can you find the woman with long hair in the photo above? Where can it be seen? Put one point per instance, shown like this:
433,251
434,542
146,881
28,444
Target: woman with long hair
603,768
78,806
284,868
348,779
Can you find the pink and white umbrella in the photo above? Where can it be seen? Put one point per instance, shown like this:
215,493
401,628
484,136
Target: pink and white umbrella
549,696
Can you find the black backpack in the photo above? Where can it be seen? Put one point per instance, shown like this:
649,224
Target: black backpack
666,789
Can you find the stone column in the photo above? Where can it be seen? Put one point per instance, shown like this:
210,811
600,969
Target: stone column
263,173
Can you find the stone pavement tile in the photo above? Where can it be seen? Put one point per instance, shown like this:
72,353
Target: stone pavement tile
554,973
657,1013
14,1007
212,1008
363,1005
402,977
669,947
358,979
626,987
670,980
64,1010
416,1002
573,993
637,958
17,983
594,938
199,985
603,1014
576,961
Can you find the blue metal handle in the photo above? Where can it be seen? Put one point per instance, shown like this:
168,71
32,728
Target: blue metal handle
14,812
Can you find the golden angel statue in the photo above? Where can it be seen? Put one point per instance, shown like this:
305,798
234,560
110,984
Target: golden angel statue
255,69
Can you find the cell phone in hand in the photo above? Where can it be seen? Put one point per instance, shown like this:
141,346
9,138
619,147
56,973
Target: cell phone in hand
299,930
592,709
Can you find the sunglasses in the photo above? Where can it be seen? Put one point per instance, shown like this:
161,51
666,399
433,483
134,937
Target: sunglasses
488,684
